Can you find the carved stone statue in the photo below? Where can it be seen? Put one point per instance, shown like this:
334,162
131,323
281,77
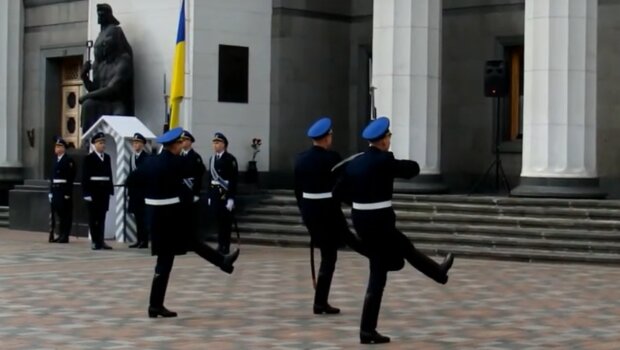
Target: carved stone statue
111,90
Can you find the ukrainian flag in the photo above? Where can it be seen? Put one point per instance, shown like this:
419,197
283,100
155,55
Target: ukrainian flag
177,88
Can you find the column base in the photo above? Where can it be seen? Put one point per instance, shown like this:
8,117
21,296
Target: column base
547,187
10,176
422,184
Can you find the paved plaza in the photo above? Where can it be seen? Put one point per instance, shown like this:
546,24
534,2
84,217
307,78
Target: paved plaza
56,296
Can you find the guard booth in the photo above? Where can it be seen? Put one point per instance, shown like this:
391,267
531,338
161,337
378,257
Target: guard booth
119,131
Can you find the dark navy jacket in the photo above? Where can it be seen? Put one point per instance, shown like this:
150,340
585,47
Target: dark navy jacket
95,169
313,175
61,182
227,168
194,171
135,189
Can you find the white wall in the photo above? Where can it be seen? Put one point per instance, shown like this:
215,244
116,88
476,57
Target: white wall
151,29
240,23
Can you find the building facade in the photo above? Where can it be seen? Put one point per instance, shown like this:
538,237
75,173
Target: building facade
267,68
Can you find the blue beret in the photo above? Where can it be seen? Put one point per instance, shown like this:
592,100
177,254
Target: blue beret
188,135
320,128
220,137
61,142
97,137
139,137
170,136
376,129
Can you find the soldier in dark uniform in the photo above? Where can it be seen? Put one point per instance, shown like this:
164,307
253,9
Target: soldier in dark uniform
61,190
223,175
321,212
136,191
367,184
194,171
166,195
97,188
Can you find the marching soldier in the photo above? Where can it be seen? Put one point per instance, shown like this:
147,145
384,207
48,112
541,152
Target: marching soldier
97,188
368,185
61,191
321,212
165,196
223,175
136,192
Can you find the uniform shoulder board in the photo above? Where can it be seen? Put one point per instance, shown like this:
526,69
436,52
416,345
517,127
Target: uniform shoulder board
199,159
234,162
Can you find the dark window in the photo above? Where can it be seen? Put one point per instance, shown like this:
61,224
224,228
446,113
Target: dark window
233,74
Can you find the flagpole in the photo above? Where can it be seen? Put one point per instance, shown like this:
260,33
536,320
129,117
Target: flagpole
166,110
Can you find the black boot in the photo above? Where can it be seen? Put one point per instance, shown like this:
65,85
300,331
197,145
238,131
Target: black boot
321,306
161,311
135,245
325,309
370,316
62,239
373,337
447,263
158,294
227,263
426,265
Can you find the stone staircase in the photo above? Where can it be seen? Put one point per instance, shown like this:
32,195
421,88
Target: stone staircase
558,230
4,216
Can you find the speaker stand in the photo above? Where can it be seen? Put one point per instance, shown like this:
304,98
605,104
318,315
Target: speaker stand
497,163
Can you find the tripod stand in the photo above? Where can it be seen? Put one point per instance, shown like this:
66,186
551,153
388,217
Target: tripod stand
497,163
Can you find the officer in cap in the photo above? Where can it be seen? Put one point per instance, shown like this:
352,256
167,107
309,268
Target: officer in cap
368,185
321,212
61,190
136,191
223,176
166,196
97,188
194,170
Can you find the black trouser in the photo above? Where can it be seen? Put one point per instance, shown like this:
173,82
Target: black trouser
418,260
64,212
224,224
142,232
329,255
374,294
160,279
96,222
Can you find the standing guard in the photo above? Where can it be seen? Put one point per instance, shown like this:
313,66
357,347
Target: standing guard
165,196
223,175
61,191
367,184
135,191
97,188
194,171
321,212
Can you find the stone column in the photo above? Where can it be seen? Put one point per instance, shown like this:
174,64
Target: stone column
11,38
559,136
406,73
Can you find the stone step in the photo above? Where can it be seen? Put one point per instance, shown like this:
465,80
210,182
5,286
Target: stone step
516,221
443,239
481,209
489,200
513,254
465,229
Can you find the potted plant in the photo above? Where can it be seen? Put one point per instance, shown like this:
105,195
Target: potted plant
252,172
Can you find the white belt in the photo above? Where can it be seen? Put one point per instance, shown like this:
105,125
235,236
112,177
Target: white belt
99,178
160,202
323,195
372,206
59,181
215,182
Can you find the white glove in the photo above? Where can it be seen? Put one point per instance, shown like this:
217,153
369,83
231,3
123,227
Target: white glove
196,199
67,197
209,201
88,199
230,204
49,196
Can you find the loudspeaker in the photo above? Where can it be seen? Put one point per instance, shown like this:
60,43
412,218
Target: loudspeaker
495,79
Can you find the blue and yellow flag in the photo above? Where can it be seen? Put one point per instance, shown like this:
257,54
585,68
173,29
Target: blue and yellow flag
177,87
